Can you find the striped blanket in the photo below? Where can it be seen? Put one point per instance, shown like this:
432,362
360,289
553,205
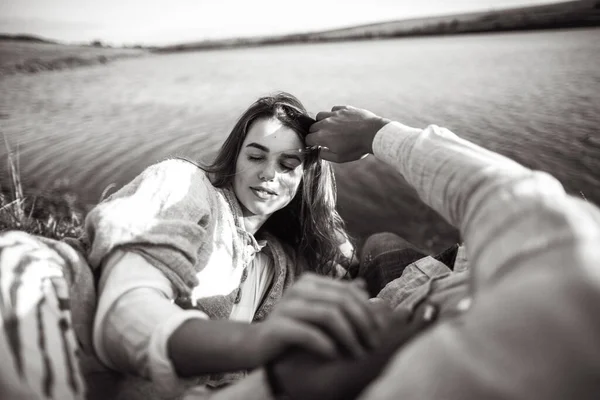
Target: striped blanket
38,345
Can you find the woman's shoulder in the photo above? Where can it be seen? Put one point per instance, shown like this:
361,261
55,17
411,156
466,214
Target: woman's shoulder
180,167
163,187
176,175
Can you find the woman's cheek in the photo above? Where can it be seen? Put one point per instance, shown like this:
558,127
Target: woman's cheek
246,169
291,183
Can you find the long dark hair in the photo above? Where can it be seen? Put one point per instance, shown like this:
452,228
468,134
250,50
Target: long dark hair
310,223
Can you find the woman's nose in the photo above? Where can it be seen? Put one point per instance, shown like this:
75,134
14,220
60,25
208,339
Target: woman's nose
267,173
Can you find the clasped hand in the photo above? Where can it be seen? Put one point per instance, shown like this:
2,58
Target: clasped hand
326,317
327,340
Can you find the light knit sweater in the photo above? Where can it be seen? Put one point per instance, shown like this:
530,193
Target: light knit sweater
193,234
173,216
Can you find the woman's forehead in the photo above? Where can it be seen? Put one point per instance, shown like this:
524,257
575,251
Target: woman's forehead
271,133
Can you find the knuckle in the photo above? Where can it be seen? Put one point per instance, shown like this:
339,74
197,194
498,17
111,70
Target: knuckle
292,292
335,297
359,293
342,299
304,282
353,308
322,313
337,316
290,306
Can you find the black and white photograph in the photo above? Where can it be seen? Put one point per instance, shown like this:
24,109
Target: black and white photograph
309,200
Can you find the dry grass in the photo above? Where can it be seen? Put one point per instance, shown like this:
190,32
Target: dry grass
54,213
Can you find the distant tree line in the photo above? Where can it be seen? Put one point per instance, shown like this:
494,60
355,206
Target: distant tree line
101,44
554,16
25,38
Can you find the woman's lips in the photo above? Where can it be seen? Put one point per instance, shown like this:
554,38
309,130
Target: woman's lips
263,193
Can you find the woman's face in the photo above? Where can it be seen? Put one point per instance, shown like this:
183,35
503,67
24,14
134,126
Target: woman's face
269,168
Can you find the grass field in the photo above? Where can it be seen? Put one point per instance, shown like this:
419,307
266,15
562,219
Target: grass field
30,57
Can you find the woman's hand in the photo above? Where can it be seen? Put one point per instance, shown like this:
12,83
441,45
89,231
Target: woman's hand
302,375
324,317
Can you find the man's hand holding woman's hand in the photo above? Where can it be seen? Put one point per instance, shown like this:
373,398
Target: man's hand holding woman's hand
346,132
305,376
322,316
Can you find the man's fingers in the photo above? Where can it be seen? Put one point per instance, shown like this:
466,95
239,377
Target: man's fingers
336,108
323,114
316,139
334,323
424,316
353,302
329,155
365,322
312,138
310,338
340,309
359,291
401,316
409,324
346,333
381,311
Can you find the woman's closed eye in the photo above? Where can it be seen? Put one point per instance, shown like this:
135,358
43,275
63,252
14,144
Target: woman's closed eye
290,163
286,164
289,166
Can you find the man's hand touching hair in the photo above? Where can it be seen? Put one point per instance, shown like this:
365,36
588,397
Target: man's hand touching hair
346,133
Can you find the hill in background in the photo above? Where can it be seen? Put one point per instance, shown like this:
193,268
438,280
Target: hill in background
570,14
25,38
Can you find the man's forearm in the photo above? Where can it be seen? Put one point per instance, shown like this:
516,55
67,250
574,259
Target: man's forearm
534,254
487,196
448,173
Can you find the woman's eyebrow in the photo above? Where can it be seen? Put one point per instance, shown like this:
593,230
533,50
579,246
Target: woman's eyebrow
283,153
258,146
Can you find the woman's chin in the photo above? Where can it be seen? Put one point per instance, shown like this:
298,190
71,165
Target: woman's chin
256,210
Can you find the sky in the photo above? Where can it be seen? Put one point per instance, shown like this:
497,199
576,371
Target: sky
163,22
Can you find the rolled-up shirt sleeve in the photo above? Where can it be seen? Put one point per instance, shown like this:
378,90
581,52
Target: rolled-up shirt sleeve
533,326
135,318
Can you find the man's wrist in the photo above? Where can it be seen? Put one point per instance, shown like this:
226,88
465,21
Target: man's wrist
379,123
384,121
